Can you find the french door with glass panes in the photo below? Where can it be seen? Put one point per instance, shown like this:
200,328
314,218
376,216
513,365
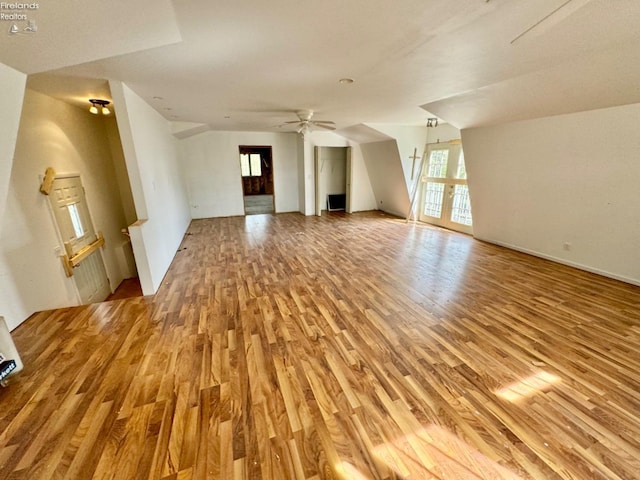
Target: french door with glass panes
444,197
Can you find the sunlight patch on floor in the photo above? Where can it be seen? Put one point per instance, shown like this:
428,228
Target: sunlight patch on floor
433,452
349,472
539,382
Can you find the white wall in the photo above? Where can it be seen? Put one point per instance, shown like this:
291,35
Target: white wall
442,133
157,185
211,164
212,169
71,140
11,94
300,162
362,197
536,185
409,139
309,175
387,176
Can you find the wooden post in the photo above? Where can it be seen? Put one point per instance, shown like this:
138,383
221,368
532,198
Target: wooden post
416,186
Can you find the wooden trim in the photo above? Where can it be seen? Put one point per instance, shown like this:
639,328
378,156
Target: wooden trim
68,269
69,262
47,181
68,249
138,223
86,251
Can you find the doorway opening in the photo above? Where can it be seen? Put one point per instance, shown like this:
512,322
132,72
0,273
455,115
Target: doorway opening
444,195
256,167
333,179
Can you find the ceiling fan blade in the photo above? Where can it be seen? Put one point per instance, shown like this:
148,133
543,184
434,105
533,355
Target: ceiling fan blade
326,127
292,122
326,122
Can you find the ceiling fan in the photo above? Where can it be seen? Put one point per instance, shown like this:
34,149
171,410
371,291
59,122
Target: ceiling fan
304,124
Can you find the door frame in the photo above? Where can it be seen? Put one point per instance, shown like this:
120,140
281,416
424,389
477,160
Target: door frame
347,207
272,171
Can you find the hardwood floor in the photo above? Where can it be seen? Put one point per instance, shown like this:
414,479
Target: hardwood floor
129,287
341,347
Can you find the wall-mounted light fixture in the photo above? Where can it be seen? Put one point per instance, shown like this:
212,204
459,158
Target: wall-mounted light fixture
99,106
432,122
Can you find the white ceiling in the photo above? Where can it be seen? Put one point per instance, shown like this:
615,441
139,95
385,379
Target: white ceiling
258,62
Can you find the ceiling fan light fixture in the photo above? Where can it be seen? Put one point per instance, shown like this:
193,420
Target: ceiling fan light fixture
305,125
304,130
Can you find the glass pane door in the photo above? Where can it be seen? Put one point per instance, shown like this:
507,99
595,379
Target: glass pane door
444,198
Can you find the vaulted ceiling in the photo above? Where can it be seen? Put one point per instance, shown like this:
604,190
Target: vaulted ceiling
250,64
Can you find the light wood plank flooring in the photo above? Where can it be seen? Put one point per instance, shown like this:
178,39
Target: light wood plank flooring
341,347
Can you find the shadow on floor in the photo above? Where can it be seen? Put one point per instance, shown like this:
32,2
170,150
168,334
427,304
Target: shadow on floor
130,287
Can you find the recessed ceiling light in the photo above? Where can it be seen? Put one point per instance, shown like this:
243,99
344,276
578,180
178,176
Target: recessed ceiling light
158,98
346,81
227,116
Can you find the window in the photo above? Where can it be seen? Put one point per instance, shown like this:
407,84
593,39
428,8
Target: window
462,169
251,164
74,214
438,161
433,200
461,209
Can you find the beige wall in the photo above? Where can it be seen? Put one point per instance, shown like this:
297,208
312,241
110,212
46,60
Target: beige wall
11,94
211,163
71,140
387,176
563,188
157,185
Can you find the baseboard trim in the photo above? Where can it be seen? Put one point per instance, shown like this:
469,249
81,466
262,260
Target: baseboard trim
563,261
